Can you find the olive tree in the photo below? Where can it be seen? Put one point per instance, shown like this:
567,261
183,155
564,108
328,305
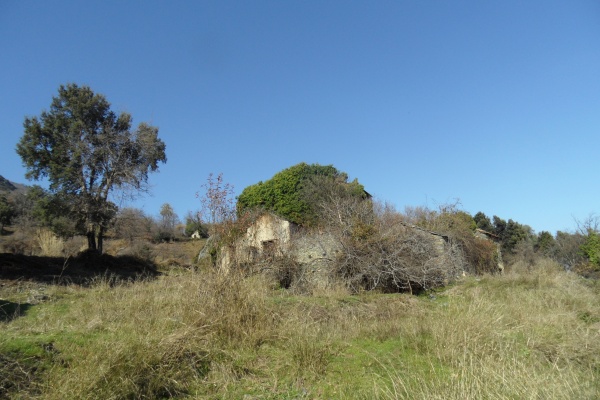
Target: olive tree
88,153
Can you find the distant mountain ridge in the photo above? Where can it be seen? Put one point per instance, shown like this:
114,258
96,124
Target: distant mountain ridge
8,186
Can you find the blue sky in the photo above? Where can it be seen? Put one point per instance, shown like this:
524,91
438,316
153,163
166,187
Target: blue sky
496,104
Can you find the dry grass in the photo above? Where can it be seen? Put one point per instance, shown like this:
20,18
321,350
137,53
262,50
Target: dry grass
50,245
527,335
532,333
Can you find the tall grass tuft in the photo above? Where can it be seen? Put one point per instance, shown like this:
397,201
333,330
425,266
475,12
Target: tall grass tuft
50,245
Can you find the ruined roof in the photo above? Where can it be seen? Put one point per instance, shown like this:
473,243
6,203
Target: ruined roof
490,235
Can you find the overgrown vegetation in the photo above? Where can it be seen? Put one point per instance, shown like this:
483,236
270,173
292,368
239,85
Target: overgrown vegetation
531,333
412,305
296,192
7,212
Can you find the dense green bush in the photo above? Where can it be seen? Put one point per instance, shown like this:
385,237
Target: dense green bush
591,248
295,192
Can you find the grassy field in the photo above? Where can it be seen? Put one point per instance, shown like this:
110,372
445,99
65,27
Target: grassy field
533,333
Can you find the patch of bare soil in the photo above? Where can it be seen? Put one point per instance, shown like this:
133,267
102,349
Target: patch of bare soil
17,376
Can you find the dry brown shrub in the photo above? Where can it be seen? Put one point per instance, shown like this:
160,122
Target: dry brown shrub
481,255
75,245
50,245
397,258
140,249
236,308
18,243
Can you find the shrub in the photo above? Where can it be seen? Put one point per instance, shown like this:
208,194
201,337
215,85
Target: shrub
18,243
74,245
141,249
392,257
7,212
481,255
591,248
131,224
567,251
50,244
295,192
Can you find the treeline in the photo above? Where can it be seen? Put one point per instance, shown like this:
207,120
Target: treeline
36,208
573,250
90,154
579,249
314,195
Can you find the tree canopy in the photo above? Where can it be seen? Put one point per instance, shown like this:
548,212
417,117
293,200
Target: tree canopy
87,151
6,212
483,222
294,193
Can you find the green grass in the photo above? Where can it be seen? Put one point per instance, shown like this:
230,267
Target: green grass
531,333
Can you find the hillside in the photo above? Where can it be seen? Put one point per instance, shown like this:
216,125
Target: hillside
6,185
530,333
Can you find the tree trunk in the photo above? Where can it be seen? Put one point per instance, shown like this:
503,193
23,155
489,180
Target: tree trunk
100,239
91,237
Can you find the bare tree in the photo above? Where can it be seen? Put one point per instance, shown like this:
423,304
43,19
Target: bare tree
218,214
218,204
131,224
167,223
590,224
337,207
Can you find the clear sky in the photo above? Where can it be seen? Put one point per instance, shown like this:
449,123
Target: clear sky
493,103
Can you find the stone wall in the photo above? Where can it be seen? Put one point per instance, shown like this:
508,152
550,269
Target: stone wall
272,240
269,236
316,252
